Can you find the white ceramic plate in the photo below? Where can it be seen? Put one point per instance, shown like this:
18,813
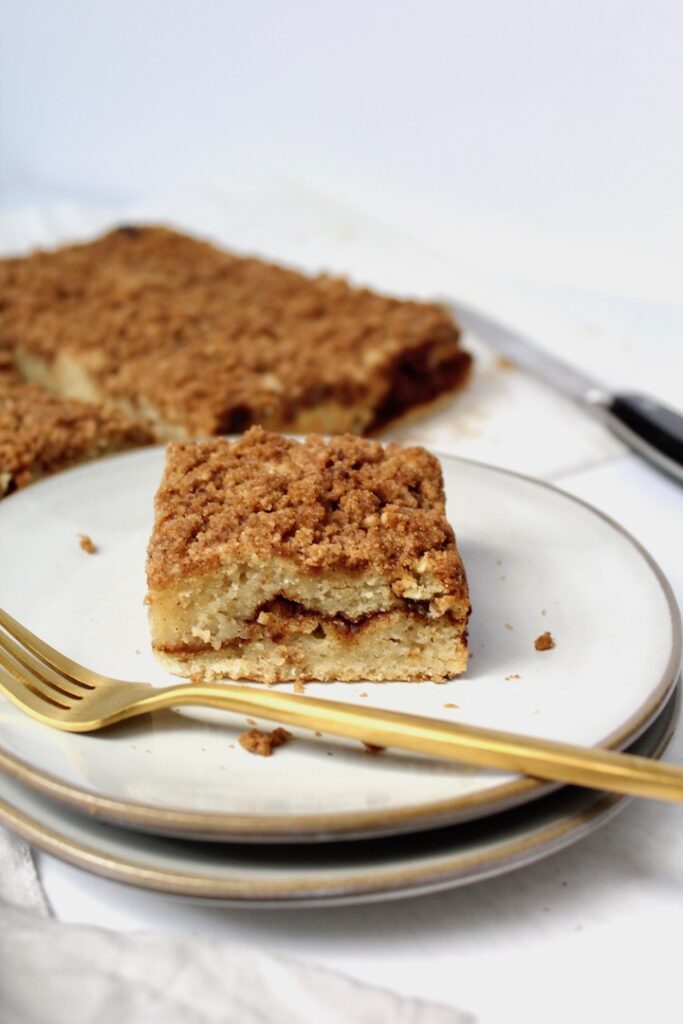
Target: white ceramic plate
536,559
333,873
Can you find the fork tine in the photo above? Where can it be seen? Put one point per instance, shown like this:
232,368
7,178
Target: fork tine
22,688
41,672
64,666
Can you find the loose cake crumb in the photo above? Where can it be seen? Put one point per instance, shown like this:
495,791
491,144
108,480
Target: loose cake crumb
250,721
544,642
263,743
505,363
86,543
299,686
508,626
363,694
372,748
514,675
451,705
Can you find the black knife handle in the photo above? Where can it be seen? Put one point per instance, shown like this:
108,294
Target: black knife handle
653,429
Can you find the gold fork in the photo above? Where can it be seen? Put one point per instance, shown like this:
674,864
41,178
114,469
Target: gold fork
65,695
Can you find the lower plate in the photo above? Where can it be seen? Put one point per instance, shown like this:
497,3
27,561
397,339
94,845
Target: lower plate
315,874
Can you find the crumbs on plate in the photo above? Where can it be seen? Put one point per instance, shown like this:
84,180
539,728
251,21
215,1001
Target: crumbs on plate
263,743
372,748
544,642
505,363
86,543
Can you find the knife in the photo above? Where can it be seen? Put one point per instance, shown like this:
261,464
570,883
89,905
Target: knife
652,429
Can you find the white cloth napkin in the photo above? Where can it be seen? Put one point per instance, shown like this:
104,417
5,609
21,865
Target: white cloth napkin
53,973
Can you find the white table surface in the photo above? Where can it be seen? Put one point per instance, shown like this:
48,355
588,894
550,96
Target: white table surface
590,933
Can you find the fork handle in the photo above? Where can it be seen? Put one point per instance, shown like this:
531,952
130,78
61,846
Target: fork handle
546,759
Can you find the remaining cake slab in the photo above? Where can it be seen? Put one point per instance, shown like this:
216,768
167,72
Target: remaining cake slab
200,342
41,433
273,559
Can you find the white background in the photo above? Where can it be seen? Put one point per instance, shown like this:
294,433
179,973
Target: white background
545,136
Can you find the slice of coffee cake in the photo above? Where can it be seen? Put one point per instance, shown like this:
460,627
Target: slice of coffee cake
273,559
201,342
41,433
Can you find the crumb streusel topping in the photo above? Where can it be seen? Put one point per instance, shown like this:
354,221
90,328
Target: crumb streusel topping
347,503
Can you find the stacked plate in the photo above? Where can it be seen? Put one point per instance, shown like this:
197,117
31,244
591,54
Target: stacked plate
171,802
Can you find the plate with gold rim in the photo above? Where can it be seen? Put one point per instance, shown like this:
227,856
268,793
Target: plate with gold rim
295,875
537,560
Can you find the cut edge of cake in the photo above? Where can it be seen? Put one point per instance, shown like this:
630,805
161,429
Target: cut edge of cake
42,433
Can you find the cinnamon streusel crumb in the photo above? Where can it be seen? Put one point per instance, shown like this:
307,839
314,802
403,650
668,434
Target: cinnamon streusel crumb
544,642
86,544
264,743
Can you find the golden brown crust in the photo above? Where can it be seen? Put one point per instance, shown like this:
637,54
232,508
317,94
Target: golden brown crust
41,433
214,342
347,503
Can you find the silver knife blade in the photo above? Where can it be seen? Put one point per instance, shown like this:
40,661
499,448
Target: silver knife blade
519,349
